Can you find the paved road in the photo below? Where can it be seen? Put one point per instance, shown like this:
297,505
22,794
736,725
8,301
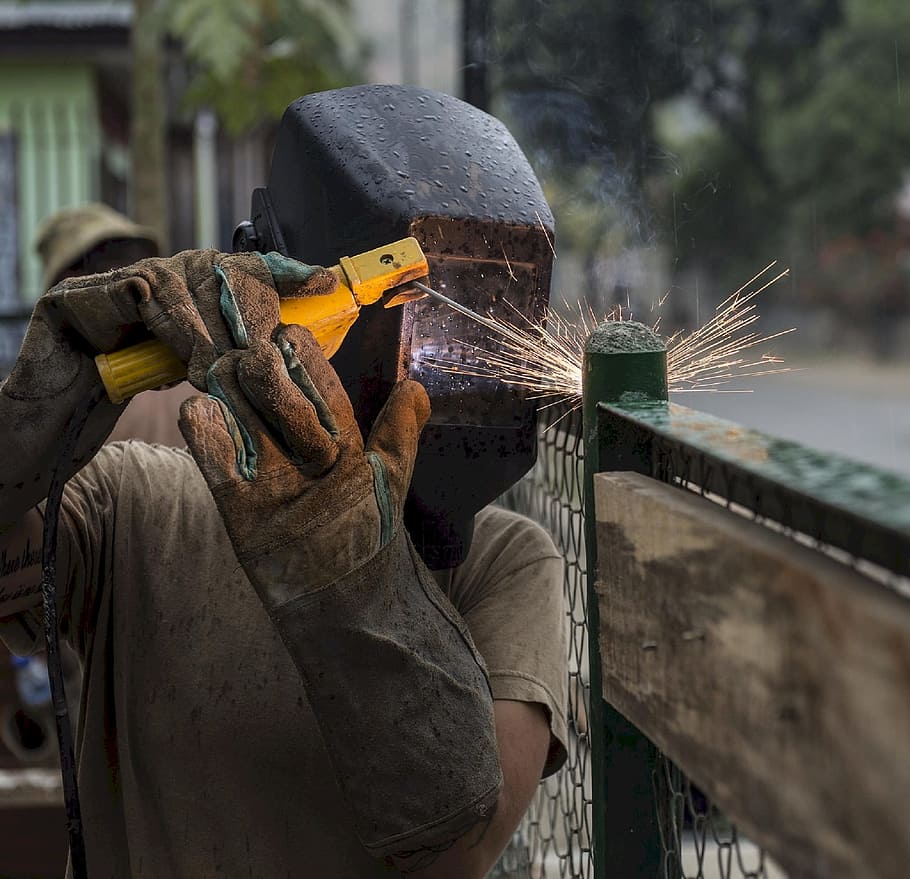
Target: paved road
857,409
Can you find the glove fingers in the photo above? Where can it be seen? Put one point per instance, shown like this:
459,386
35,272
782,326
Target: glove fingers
247,298
297,413
396,432
259,450
295,279
95,310
167,292
203,303
308,367
199,303
204,424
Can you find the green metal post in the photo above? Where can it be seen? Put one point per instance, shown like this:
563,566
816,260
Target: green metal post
624,362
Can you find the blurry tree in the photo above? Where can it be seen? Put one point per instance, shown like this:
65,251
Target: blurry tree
251,58
476,17
147,122
842,148
576,80
579,76
814,147
729,128
248,60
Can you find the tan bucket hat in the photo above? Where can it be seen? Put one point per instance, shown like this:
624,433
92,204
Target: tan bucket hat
66,236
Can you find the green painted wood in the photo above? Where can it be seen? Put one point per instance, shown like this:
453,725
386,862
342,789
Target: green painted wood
624,362
858,508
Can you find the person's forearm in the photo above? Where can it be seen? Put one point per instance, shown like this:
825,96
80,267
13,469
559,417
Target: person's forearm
523,737
20,564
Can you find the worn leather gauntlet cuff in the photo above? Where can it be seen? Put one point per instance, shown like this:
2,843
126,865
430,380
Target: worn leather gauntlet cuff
402,700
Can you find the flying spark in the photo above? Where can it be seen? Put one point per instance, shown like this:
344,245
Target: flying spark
545,233
508,264
545,356
711,357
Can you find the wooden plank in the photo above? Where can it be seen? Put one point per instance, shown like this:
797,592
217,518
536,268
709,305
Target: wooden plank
775,678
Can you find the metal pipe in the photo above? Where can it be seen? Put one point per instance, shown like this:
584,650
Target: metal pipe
205,159
621,358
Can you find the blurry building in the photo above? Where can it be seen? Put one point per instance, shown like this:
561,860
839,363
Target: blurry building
65,95
64,120
415,42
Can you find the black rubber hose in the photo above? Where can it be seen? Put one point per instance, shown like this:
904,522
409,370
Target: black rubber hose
54,667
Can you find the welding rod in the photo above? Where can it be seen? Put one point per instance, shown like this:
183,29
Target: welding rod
462,309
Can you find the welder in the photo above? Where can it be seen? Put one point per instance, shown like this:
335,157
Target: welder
286,688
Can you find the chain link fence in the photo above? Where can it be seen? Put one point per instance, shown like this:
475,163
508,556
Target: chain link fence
697,840
556,837
804,504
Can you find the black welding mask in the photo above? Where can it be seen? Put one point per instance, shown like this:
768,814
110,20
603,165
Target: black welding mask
357,168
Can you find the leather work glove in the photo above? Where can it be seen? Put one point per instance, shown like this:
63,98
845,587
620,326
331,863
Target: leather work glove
178,298
397,687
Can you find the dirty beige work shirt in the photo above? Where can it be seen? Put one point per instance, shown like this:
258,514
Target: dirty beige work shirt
198,754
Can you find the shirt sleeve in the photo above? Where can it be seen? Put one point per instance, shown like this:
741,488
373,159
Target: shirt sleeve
510,592
83,557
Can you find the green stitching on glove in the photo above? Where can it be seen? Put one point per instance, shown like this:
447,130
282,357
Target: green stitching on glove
383,498
288,274
244,448
231,311
274,422
301,378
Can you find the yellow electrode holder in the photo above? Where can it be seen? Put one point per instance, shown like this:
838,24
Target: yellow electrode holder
362,280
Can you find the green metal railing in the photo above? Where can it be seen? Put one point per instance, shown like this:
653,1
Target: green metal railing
623,361
621,808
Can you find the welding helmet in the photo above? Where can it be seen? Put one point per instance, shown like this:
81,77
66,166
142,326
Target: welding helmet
359,167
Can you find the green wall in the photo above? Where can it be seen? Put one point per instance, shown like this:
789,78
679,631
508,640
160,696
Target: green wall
52,110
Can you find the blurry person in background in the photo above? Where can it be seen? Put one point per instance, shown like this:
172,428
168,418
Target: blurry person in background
89,239
95,238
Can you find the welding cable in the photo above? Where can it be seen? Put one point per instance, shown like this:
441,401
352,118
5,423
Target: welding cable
54,667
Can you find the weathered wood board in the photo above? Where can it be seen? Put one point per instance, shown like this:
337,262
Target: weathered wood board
774,677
